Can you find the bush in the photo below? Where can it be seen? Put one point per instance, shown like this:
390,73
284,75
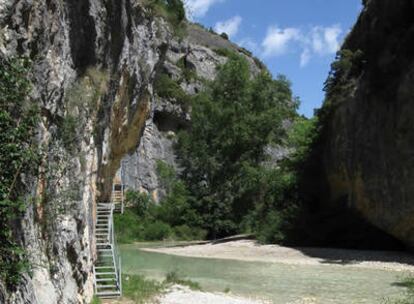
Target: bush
138,202
166,87
225,52
224,36
129,227
171,10
271,228
189,73
156,231
139,289
186,233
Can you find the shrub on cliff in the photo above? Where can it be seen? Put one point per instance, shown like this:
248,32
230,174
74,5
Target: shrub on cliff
168,88
171,10
19,154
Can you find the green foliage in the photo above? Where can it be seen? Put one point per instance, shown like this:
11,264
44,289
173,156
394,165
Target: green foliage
166,87
166,174
232,123
339,83
224,36
187,233
171,10
157,230
175,208
225,52
173,277
19,118
129,227
189,73
301,136
96,300
139,289
172,218
139,202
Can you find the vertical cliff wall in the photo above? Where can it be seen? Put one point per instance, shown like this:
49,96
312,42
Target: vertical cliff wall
94,63
367,140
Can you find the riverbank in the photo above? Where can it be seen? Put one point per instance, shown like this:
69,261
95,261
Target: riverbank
178,294
182,294
250,250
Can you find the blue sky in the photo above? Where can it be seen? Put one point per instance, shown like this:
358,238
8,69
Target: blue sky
297,38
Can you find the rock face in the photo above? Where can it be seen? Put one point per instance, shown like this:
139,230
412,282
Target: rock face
199,52
368,139
94,65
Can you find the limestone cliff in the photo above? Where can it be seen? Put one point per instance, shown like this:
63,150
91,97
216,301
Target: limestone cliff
94,67
197,53
367,140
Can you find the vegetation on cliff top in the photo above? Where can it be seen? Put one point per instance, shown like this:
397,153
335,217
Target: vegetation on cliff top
171,10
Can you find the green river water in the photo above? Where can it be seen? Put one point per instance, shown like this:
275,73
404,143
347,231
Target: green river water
279,283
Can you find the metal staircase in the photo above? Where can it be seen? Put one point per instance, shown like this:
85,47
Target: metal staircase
118,197
118,190
107,269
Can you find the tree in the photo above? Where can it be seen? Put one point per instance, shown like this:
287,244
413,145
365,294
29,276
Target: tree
232,123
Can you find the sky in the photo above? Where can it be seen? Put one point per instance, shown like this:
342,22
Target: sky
297,38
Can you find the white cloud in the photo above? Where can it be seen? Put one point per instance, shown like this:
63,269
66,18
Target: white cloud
198,8
305,57
331,35
319,40
277,40
230,26
325,40
249,44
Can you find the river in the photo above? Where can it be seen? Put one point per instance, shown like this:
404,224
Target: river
280,283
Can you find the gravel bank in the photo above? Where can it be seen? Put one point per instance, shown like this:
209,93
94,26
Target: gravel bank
249,250
183,295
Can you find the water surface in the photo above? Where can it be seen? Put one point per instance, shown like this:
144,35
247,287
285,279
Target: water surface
279,283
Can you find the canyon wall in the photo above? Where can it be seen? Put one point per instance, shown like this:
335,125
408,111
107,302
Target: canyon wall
367,136
94,64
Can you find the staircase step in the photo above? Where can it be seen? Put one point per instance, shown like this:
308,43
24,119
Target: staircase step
108,294
106,280
106,286
105,273
104,267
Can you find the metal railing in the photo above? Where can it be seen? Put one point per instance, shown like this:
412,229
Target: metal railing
117,261
111,241
115,254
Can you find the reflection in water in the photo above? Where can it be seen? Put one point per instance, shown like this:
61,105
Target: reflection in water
278,282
